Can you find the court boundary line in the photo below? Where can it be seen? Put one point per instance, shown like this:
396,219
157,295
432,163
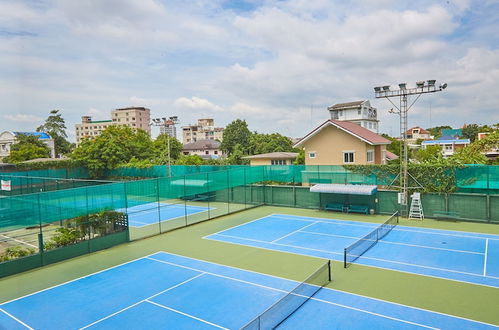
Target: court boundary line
140,302
260,273
293,232
485,257
361,256
379,267
15,319
378,299
397,243
181,216
434,231
280,290
185,314
19,241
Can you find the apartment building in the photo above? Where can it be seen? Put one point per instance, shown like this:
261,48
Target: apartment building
134,117
168,128
204,130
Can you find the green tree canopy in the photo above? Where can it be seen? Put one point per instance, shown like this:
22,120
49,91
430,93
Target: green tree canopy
394,145
436,131
236,157
236,132
475,152
115,146
265,143
160,146
55,126
27,147
189,160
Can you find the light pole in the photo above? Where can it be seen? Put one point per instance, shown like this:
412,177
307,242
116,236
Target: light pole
168,126
422,87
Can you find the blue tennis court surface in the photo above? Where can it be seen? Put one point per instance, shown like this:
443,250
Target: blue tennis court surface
460,256
170,291
148,214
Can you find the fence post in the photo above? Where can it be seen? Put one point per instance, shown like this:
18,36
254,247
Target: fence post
159,205
488,207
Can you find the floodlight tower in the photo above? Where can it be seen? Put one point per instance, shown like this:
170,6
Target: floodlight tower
422,87
163,122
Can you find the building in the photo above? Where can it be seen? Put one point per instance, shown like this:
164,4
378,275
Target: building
8,138
448,144
168,127
273,158
204,130
207,149
134,117
358,112
338,142
417,133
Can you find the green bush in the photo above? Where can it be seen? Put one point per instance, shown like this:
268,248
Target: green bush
16,252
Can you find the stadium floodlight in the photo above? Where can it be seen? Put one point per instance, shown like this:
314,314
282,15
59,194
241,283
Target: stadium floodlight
164,123
377,89
422,87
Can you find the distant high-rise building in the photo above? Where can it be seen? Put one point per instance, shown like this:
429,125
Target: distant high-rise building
204,130
134,117
169,128
359,112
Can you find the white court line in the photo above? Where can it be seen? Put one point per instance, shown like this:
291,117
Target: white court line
141,301
365,265
185,314
396,243
283,291
360,257
431,231
355,294
18,241
293,232
485,258
16,319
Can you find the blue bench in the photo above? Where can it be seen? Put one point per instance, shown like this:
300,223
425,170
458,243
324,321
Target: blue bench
335,207
358,209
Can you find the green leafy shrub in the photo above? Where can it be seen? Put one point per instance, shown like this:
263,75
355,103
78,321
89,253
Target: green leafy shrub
15,252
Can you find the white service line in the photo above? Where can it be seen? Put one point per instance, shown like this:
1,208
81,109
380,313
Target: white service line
18,241
485,258
141,301
16,319
293,232
383,241
185,314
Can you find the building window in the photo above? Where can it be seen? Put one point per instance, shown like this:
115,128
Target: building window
359,111
206,152
334,114
348,157
370,125
370,156
448,147
312,154
215,152
341,113
277,162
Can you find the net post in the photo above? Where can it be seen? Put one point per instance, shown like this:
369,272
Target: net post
344,258
329,270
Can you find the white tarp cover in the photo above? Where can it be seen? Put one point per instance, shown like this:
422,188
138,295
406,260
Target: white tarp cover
350,189
190,183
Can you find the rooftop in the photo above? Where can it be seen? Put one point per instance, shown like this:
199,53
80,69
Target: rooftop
274,155
202,145
40,135
346,105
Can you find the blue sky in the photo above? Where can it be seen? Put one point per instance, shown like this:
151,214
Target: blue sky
277,64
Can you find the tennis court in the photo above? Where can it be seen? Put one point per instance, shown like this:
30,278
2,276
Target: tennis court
455,255
152,213
171,291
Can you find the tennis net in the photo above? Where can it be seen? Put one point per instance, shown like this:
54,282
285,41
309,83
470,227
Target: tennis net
292,301
358,248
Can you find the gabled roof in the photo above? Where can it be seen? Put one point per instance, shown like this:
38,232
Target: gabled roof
346,105
202,145
351,128
274,155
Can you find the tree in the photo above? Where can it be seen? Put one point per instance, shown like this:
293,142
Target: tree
394,145
474,153
236,133
300,159
430,155
114,147
265,143
27,147
55,126
236,157
189,160
160,146
436,131
471,131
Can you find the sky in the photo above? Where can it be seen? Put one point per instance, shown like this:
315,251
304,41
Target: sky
275,64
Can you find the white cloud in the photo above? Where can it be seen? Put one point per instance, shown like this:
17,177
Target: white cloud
196,103
23,118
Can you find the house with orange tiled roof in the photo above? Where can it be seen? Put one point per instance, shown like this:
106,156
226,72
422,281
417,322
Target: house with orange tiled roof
338,142
416,133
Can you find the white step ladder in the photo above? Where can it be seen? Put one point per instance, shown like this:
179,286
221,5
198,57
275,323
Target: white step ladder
416,210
